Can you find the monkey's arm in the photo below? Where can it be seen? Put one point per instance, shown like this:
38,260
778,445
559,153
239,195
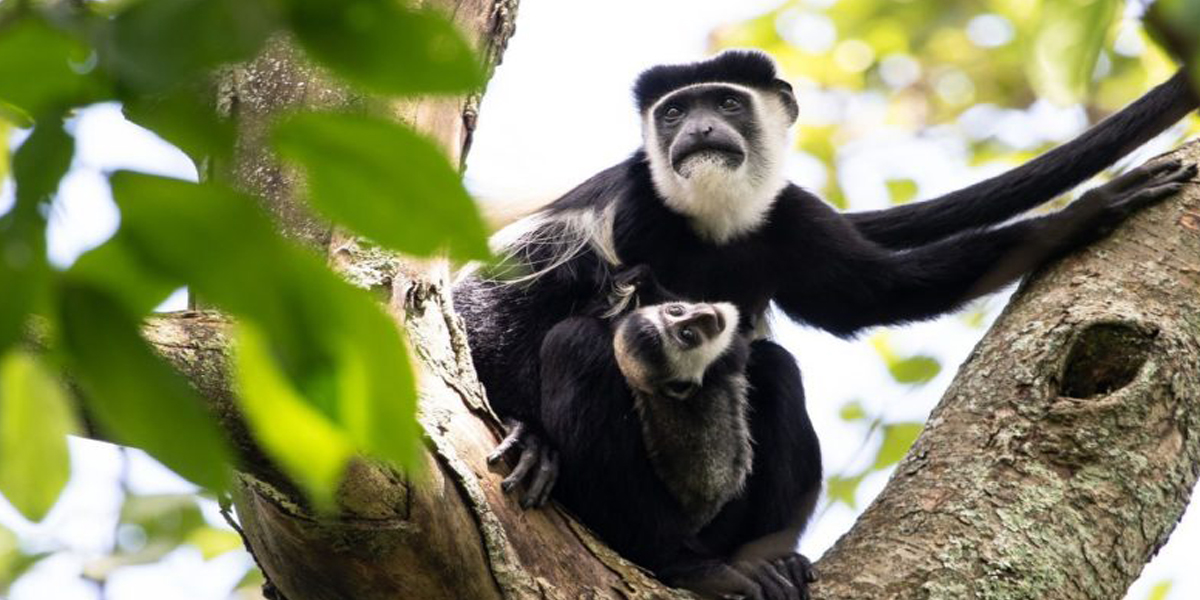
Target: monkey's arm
849,283
1002,197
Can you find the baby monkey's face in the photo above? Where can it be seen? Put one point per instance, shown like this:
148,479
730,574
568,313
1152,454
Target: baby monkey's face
665,349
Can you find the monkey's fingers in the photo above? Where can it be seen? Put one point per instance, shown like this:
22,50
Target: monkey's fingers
529,458
1142,174
773,585
799,570
516,431
1159,190
543,480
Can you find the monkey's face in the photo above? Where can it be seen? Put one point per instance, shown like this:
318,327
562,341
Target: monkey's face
665,349
716,153
705,128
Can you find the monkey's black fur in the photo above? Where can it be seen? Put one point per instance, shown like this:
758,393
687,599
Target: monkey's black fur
839,272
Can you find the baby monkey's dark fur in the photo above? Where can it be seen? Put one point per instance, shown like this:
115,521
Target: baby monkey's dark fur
649,411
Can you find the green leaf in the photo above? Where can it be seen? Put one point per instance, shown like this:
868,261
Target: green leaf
181,118
843,489
337,348
386,47
914,369
35,418
1172,24
312,449
38,166
134,395
1066,45
213,542
40,162
6,129
165,520
159,43
1160,591
117,267
897,439
150,527
852,411
44,71
902,191
384,181
13,561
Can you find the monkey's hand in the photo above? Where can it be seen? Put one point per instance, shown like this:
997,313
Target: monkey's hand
1101,209
783,578
537,466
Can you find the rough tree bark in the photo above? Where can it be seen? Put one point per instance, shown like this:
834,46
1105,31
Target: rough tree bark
1057,463
1066,449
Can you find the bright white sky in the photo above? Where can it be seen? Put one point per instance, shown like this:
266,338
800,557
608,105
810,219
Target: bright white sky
558,110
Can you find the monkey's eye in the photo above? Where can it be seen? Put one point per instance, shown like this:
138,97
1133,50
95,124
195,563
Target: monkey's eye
675,310
673,113
730,104
688,335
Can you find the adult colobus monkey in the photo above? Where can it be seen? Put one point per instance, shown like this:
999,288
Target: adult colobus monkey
705,206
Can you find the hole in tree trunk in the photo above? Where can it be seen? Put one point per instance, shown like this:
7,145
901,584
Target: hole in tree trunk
1104,358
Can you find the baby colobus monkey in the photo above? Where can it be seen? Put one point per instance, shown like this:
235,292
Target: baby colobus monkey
649,411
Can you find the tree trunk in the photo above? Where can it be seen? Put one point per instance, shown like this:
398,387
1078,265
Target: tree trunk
1057,463
1066,449
451,533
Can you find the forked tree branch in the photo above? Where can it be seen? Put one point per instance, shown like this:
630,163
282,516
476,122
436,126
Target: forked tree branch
1058,462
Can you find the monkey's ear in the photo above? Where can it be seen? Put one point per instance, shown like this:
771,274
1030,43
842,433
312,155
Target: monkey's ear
784,89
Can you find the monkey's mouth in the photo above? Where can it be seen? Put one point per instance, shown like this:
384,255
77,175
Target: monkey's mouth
717,152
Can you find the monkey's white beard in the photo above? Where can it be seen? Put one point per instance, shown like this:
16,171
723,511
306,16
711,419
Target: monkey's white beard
723,203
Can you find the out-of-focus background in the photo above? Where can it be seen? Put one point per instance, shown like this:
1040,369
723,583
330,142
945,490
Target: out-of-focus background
899,100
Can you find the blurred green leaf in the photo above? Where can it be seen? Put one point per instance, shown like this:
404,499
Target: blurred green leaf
1160,591
6,129
843,489
1066,45
386,182
38,166
150,527
250,586
35,418
852,411
159,43
165,520
213,542
311,449
13,561
134,395
342,354
914,369
386,47
44,71
897,439
118,268
40,162
182,119
1173,25
902,191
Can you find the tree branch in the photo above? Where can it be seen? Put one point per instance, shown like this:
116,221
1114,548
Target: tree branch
1065,451
1056,465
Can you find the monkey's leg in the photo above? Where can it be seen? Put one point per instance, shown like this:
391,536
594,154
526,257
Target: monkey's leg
785,483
